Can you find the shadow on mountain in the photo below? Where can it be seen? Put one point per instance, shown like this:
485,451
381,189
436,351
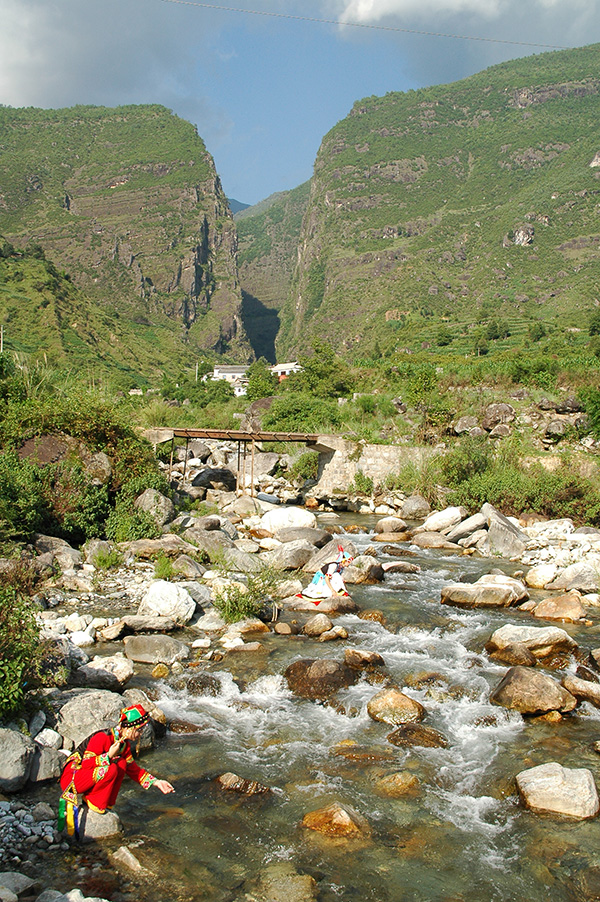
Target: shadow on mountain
262,325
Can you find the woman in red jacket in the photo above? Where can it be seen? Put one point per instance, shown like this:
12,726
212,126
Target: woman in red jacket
97,773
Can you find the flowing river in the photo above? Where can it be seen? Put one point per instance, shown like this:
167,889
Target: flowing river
462,835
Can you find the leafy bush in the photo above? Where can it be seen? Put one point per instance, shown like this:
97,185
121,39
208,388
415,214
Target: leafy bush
127,524
295,412
19,649
163,567
236,602
108,560
362,484
306,466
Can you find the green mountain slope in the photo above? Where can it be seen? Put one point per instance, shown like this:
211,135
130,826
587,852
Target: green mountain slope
268,236
127,201
419,201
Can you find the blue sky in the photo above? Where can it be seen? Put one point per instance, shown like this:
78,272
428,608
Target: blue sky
263,90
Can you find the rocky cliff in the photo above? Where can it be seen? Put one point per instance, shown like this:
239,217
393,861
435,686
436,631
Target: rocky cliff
456,204
128,202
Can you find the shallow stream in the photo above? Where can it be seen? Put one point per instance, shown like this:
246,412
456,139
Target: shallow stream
460,836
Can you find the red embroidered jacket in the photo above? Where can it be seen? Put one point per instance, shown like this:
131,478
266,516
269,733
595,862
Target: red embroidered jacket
95,757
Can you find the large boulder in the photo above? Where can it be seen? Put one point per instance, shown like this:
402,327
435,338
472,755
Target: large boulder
363,569
567,608
47,764
319,679
542,641
88,712
445,519
285,517
167,599
553,789
221,478
390,524
496,414
467,527
393,707
583,690
581,576
108,672
431,539
316,537
289,556
504,538
16,759
479,595
66,557
337,604
415,508
169,544
155,649
329,553
531,692
160,508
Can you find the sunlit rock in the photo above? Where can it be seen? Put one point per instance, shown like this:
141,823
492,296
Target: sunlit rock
531,692
550,788
394,707
335,820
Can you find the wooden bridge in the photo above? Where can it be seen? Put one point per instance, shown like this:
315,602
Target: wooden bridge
161,435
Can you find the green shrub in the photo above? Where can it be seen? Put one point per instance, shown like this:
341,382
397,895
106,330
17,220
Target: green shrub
19,649
235,602
127,524
362,484
108,560
306,466
295,412
163,567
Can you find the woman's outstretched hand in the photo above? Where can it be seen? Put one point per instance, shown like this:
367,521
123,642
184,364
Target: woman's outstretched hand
164,786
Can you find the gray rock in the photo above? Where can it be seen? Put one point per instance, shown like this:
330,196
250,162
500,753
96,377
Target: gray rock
17,883
496,414
155,649
415,508
47,764
531,692
68,558
94,826
551,788
317,625
542,641
167,599
16,758
160,508
105,672
443,520
363,569
467,527
290,556
317,537
87,712
580,576
329,553
503,538
187,566
584,690
464,424
220,478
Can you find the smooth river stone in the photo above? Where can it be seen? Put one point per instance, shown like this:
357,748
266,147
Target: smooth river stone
551,788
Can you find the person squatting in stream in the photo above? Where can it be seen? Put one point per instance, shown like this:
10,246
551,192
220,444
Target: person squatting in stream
98,766
327,582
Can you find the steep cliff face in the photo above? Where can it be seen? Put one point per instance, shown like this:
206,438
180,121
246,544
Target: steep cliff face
418,200
268,237
128,201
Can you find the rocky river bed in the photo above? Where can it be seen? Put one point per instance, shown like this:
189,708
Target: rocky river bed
400,782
